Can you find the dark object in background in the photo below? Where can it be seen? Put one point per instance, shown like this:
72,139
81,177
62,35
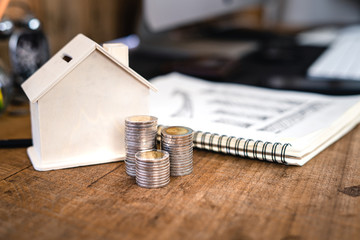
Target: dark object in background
278,63
28,52
28,46
15,143
5,89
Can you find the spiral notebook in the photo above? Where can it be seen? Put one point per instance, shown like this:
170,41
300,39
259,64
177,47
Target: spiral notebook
279,126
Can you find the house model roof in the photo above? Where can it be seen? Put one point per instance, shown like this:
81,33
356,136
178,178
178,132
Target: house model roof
63,62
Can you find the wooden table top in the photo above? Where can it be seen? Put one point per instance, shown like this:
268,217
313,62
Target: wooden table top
226,197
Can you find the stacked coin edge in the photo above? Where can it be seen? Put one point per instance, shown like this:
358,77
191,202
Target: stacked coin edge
152,168
140,135
180,148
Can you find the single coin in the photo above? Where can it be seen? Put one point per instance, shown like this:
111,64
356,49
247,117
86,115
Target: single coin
141,119
177,131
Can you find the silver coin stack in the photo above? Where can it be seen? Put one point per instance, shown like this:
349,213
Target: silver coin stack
152,168
178,142
140,134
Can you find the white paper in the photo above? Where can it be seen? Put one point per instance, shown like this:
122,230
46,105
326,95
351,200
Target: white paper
244,111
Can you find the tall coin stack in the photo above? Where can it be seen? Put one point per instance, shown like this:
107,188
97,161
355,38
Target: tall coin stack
140,133
152,168
178,142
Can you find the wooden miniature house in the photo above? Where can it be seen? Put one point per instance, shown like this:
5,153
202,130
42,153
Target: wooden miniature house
79,100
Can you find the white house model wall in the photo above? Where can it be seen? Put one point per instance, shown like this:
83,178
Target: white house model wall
80,119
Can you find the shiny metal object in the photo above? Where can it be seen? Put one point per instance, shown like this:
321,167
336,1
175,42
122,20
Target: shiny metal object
178,142
140,135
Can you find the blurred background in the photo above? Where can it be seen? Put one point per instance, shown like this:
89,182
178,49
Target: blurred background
63,19
221,40
111,19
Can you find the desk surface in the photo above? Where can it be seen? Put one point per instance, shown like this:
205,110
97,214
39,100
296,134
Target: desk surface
226,197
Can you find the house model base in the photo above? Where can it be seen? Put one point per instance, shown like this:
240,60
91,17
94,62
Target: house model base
69,163
79,100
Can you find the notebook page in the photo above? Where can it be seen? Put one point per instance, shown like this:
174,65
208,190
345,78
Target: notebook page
244,111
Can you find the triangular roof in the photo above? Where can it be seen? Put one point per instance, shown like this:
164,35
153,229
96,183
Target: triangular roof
56,68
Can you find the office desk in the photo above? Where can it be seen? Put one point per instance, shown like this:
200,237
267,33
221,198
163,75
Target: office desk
226,197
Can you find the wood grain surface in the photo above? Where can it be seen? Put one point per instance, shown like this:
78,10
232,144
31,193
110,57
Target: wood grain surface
226,197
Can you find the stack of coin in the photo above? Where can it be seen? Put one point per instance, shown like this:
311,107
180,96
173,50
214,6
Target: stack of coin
178,142
152,168
140,134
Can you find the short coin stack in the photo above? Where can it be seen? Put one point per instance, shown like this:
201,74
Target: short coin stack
140,133
152,168
178,142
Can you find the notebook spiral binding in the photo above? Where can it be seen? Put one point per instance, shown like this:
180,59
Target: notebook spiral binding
249,148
